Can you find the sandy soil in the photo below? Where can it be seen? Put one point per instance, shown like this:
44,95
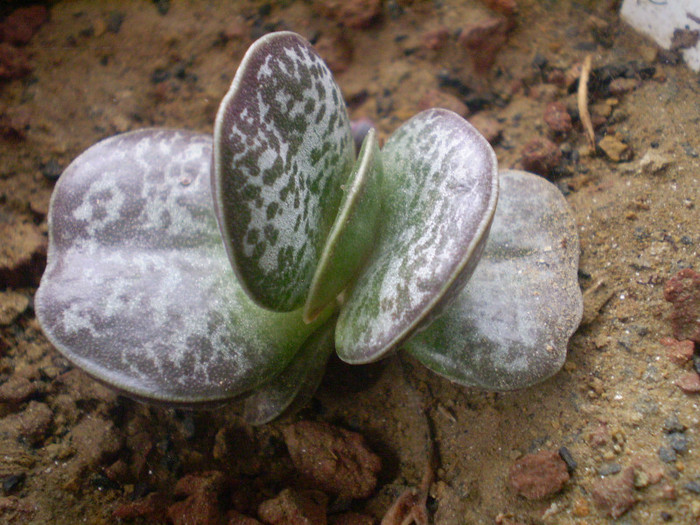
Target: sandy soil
73,452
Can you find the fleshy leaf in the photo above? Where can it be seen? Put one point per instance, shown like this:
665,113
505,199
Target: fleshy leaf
440,190
296,384
353,232
510,325
282,149
138,290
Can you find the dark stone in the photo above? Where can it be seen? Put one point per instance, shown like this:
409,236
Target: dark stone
609,469
565,454
13,483
678,442
672,425
692,486
162,6
667,455
51,170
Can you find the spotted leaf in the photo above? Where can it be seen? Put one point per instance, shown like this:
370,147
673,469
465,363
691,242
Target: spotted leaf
282,149
510,325
439,195
138,290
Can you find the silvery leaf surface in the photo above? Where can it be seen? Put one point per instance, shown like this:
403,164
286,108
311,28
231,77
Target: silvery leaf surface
439,194
138,290
294,387
510,325
282,149
352,236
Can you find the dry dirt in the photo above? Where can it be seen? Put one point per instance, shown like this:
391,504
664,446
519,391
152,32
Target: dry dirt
73,452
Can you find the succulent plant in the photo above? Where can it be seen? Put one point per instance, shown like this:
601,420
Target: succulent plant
190,270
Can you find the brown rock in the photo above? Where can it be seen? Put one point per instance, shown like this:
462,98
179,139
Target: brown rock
557,117
538,475
29,425
22,253
483,40
689,383
541,156
680,352
332,459
683,290
335,50
615,495
201,506
95,440
152,508
435,39
18,389
355,14
298,507
439,99
14,63
615,149
488,126
20,26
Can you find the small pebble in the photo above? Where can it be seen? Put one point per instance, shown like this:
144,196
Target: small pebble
609,469
483,40
541,156
539,475
51,170
689,383
692,486
667,455
557,117
678,442
672,425
615,495
683,290
565,454
615,149
680,352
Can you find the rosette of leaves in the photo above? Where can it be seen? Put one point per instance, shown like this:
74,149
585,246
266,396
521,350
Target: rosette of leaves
190,270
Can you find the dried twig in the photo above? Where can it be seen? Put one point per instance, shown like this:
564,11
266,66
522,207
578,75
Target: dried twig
584,115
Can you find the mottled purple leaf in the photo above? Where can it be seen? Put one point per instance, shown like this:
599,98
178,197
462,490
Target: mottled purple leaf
282,149
440,192
138,290
510,325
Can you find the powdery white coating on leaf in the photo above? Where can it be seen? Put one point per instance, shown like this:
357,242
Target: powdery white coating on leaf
440,192
138,290
510,325
295,385
283,147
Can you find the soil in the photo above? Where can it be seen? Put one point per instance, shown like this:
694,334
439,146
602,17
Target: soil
72,451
